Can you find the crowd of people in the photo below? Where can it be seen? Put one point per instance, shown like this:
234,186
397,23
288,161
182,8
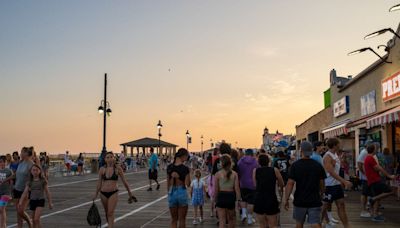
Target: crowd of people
256,183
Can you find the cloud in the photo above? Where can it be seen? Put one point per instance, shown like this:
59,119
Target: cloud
262,51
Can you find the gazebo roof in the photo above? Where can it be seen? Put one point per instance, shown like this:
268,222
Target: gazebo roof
148,142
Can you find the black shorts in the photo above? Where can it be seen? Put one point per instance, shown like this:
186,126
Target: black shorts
333,193
247,195
365,189
378,188
266,205
33,204
226,200
17,194
153,175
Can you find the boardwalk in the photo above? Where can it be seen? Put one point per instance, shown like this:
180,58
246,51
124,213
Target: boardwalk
72,199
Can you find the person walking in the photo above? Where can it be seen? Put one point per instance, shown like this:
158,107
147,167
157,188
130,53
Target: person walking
246,165
6,176
153,166
266,204
178,179
334,183
197,191
21,178
80,161
365,193
376,184
282,164
107,185
35,190
227,191
308,175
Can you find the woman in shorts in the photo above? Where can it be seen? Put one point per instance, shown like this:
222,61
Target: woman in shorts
266,204
227,191
177,183
21,179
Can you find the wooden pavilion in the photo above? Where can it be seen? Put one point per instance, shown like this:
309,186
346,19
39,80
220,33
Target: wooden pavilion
143,145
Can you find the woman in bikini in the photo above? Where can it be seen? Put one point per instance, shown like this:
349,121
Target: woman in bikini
107,185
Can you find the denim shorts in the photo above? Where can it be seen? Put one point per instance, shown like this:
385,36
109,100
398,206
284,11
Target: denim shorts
177,197
313,214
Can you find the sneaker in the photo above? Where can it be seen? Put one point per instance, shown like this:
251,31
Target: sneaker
195,222
200,220
158,186
378,218
250,221
365,214
149,189
333,220
330,225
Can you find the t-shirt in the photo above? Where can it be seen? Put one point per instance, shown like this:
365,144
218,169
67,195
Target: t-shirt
153,161
307,174
330,180
5,186
197,184
181,169
282,164
372,175
22,175
317,157
361,159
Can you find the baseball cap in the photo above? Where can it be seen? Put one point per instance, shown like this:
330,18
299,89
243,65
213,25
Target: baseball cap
249,152
307,148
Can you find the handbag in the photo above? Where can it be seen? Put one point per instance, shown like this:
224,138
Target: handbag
93,216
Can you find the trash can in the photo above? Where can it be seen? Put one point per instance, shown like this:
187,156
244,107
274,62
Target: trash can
94,166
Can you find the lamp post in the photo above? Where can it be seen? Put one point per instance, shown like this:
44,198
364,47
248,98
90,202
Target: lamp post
159,126
187,139
104,109
201,144
211,143
380,32
367,49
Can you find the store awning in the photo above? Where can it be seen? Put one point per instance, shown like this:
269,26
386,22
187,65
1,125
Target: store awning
391,115
336,129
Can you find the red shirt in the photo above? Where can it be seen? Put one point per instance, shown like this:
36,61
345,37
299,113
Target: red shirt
372,175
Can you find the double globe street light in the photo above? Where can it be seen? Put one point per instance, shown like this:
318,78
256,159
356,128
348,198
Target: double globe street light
104,109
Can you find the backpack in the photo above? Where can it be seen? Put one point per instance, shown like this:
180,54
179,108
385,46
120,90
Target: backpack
93,216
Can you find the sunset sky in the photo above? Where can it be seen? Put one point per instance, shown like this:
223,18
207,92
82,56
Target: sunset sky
224,69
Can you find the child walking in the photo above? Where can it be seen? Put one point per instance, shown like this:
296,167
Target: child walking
197,191
5,190
35,189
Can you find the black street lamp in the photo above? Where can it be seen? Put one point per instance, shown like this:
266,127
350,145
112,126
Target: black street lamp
367,49
159,126
380,32
187,139
211,143
394,8
201,144
104,109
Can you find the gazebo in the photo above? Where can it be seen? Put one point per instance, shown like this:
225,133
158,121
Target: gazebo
145,144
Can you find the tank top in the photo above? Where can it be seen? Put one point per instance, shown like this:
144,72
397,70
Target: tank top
226,184
330,181
266,181
36,189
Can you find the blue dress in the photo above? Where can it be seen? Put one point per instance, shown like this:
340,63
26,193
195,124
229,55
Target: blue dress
197,192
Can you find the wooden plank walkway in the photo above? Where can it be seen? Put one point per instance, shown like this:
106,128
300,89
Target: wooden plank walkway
72,199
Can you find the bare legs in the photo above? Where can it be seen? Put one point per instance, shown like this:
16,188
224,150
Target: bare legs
223,215
21,214
178,214
36,217
109,205
270,221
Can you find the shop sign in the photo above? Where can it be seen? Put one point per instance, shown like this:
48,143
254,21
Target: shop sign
391,87
368,103
341,107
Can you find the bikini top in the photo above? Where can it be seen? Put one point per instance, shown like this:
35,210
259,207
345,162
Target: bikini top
113,177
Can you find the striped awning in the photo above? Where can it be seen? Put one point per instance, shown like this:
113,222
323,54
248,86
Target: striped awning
336,129
389,116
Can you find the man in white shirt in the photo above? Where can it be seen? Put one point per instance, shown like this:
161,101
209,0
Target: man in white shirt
365,190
